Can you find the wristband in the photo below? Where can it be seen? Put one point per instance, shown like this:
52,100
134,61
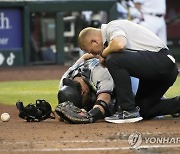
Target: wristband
103,104
102,55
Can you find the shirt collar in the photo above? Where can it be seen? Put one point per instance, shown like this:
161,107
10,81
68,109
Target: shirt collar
103,32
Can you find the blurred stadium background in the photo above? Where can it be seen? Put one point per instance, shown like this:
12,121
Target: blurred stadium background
44,32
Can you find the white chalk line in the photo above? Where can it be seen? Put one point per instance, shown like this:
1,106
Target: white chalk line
55,142
90,149
77,141
82,149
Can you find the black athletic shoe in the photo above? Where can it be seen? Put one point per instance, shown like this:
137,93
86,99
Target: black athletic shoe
125,117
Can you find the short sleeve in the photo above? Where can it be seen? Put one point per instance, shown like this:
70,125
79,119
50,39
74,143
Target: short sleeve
116,33
102,80
113,30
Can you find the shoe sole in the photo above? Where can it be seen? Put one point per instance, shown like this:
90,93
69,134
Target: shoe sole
125,120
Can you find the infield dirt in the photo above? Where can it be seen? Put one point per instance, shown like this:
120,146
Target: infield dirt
54,136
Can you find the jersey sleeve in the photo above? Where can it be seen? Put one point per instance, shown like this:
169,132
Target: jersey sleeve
102,80
114,30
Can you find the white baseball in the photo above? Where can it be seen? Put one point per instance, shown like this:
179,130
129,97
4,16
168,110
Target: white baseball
5,117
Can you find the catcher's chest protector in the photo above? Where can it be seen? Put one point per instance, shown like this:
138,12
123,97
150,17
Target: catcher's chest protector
84,70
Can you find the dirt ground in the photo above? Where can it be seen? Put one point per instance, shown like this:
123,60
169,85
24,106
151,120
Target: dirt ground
53,136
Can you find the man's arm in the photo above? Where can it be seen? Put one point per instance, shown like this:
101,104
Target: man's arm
138,6
86,56
106,97
117,44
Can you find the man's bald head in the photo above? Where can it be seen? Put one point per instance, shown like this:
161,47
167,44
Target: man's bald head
90,40
85,35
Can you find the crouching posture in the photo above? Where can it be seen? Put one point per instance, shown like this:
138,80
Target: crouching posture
85,85
86,92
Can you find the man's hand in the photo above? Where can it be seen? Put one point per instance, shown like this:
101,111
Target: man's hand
102,60
86,56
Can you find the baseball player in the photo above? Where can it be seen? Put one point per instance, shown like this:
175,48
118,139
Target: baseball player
89,85
128,49
152,16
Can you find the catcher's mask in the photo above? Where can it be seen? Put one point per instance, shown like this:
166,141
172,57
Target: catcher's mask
71,91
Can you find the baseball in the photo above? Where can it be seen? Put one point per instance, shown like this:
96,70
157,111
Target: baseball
5,117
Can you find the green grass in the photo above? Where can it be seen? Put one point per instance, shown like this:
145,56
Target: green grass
175,89
29,91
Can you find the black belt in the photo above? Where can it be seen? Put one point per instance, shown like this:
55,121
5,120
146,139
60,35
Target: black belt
168,53
164,50
157,15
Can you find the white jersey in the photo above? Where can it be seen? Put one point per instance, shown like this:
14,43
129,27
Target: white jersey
152,6
153,14
138,37
99,78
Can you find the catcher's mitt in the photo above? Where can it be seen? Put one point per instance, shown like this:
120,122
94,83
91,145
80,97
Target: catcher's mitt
39,111
73,114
